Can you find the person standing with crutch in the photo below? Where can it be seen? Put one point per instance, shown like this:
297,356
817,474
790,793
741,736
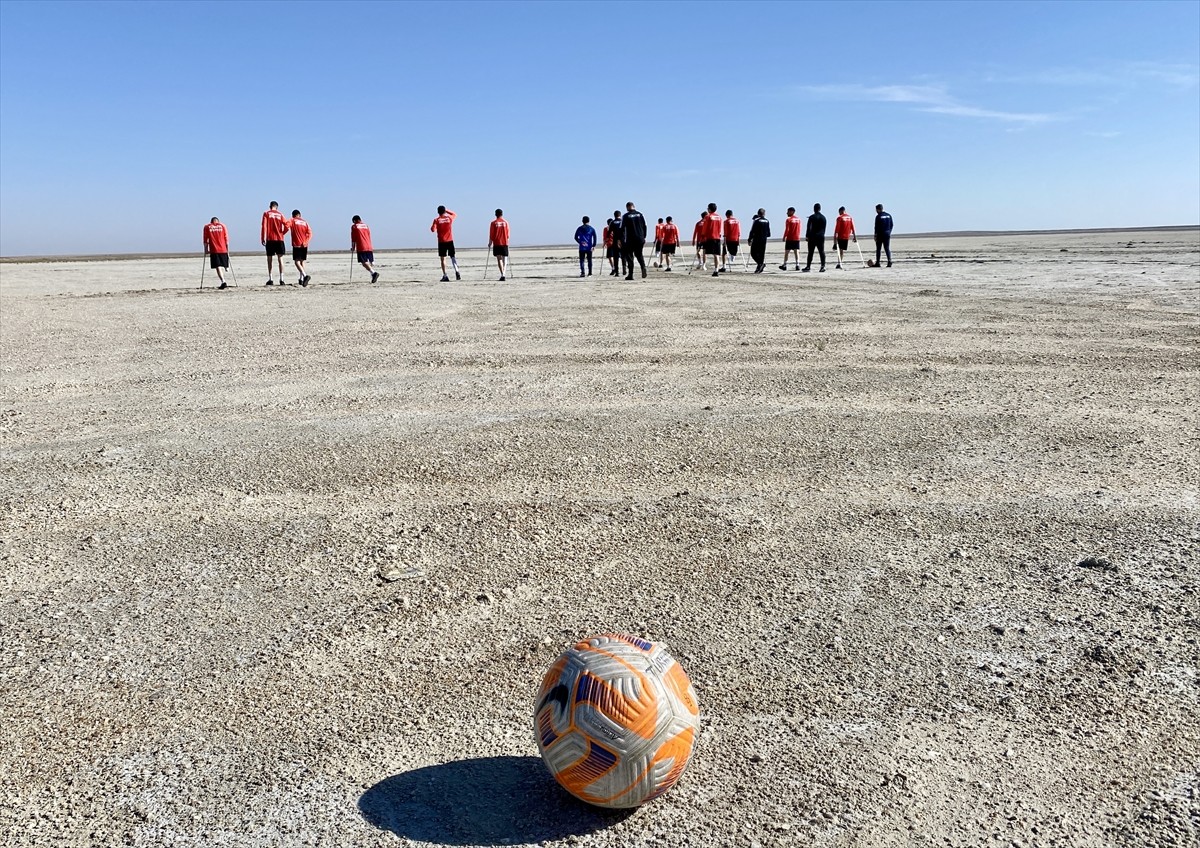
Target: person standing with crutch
216,246
274,225
443,225
301,236
843,231
670,242
360,243
498,241
733,240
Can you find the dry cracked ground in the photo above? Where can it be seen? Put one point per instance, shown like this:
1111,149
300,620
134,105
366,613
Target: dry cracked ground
285,567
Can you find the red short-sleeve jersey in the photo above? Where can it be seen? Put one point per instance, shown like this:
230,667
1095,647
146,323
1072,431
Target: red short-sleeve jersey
670,234
700,230
793,228
715,227
301,232
274,225
360,237
844,227
216,238
498,232
443,225
733,229
658,231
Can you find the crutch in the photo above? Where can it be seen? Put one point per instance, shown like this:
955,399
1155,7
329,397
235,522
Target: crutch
860,256
487,260
203,267
508,267
232,275
352,264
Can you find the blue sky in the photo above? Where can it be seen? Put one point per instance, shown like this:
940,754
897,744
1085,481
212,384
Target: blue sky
125,126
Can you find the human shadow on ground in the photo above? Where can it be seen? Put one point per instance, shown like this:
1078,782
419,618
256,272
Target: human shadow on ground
484,801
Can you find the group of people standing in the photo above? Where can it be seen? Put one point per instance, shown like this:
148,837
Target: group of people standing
623,238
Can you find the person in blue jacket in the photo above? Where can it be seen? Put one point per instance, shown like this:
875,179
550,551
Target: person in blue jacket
585,237
883,234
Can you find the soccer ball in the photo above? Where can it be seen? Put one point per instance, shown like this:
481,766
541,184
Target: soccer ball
615,720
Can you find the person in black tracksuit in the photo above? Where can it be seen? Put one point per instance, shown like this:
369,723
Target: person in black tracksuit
760,231
814,234
883,234
633,239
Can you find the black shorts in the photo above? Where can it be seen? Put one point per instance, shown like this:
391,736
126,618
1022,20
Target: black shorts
498,250
275,248
299,254
712,247
445,248
791,244
669,249
218,260
731,247
614,251
366,256
842,244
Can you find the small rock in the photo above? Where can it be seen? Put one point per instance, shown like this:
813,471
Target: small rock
1097,564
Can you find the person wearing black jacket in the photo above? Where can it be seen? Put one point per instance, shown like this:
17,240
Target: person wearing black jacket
633,239
814,234
760,231
883,234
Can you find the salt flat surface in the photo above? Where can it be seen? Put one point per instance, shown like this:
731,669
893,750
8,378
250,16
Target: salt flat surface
854,504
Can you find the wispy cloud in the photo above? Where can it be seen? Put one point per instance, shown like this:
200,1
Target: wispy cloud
925,98
1123,75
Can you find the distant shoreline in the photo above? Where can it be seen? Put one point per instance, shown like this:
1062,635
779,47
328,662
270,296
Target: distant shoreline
103,257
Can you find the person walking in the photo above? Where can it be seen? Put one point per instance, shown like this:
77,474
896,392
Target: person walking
633,239
843,231
301,236
360,242
216,248
712,239
883,234
658,230
814,234
733,239
610,248
791,238
618,235
585,237
498,242
670,241
760,231
443,225
274,225
699,234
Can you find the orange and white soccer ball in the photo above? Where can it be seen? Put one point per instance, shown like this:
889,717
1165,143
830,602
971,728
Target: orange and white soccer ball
615,720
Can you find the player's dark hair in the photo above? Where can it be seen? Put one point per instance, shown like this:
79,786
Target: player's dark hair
295,213
791,210
274,204
356,220
728,212
816,207
499,212
441,210
586,219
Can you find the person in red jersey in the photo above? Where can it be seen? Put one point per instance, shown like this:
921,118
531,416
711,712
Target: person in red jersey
301,236
658,229
443,225
216,246
733,239
791,237
670,242
360,242
611,251
274,225
843,231
699,232
498,241
713,230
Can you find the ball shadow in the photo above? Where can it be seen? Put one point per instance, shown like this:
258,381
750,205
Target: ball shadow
484,801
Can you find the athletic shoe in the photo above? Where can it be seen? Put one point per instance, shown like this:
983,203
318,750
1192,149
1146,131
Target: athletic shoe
457,275
805,270
444,279
222,286
721,269
668,269
643,273
581,274
502,279
612,273
716,274
271,283
822,269
303,282
838,267
630,277
783,267
307,279
374,276
889,264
